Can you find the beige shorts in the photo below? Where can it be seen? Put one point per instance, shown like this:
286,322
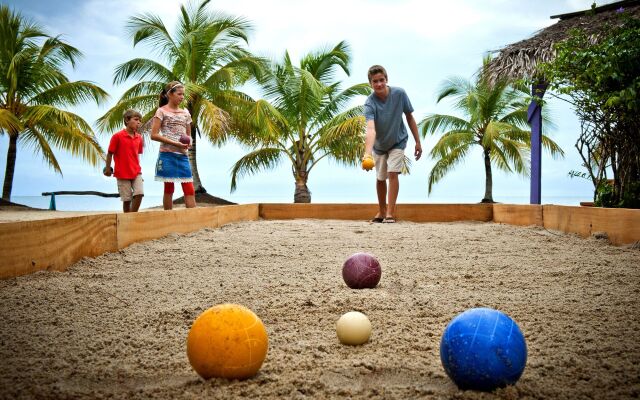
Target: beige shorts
127,188
392,161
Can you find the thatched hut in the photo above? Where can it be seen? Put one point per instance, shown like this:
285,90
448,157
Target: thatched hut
520,60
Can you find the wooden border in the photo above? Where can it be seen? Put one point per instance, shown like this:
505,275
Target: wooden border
622,225
364,212
138,227
518,214
55,244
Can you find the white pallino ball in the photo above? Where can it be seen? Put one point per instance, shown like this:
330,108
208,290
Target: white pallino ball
353,328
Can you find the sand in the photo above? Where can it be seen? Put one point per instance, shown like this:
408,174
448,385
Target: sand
116,325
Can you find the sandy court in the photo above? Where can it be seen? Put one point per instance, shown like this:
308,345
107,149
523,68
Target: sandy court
116,326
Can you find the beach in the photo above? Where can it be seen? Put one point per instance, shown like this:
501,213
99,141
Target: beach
116,325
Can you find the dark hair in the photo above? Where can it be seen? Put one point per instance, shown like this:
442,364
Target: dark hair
377,69
169,88
130,114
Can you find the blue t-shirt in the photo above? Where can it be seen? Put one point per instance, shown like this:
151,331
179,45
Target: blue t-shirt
387,117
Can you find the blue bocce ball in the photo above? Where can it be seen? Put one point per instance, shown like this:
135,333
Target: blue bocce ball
483,349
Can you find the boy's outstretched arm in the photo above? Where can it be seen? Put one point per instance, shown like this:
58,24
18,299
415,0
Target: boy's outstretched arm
370,138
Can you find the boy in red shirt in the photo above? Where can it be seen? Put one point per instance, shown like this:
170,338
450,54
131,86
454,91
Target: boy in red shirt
125,148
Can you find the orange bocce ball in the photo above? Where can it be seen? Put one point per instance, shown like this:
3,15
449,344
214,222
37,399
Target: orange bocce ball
227,341
367,163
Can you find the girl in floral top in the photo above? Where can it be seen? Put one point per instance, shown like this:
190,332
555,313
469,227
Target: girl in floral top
171,127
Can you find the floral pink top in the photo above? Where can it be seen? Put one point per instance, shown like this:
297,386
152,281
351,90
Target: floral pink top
173,124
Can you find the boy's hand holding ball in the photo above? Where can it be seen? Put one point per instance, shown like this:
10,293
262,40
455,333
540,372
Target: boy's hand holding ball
367,162
107,171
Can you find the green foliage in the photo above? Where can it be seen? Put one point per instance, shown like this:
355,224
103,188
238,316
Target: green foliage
303,119
601,73
35,92
608,70
604,195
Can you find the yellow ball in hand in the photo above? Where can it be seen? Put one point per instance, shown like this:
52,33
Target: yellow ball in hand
367,163
353,328
227,341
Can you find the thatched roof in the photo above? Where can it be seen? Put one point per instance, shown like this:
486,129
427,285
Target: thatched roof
520,60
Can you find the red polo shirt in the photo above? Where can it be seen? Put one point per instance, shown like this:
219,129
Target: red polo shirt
126,149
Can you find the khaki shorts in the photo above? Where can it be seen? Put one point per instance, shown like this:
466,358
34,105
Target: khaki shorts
392,161
127,188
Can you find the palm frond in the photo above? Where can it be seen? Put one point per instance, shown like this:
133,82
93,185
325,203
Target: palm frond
150,28
451,141
446,164
70,93
62,129
9,122
270,127
552,147
322,64
435,123
213,121
254,162
112,120
142,68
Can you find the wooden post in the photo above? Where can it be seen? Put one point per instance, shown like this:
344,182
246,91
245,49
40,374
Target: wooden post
534,116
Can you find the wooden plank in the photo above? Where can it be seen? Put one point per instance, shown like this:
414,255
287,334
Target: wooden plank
406,212
445,212
318,211
236,213
518,214
141,226
54,244
622,225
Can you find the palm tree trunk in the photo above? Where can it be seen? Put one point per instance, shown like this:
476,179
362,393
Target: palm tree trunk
10,168
197,183
488,187
302,193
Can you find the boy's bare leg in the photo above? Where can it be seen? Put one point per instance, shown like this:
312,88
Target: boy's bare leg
135,203
394,188
190,201
167,201
126,206
381,189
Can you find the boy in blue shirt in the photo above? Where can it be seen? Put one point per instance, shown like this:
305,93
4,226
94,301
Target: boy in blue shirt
387,138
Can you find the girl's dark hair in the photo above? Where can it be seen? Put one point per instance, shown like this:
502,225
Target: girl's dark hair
169,88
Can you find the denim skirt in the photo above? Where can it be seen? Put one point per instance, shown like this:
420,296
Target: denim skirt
173,167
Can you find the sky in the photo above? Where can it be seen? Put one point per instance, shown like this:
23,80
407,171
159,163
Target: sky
420,43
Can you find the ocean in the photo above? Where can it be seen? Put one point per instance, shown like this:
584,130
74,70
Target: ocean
96,203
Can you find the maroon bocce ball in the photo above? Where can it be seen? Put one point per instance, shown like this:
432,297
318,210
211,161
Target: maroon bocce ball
185,139
361,271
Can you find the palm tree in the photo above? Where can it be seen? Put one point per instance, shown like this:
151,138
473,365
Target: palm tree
303,120
33,88
495,118
205,53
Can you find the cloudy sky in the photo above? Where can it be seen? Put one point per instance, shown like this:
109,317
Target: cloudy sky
421,43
